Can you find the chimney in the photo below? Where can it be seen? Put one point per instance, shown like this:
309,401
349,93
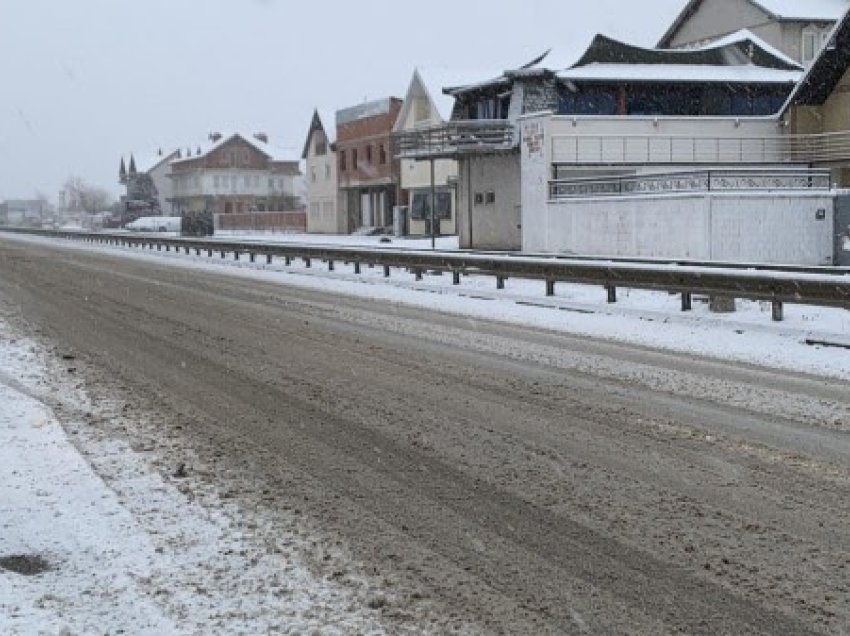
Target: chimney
261,136
215,136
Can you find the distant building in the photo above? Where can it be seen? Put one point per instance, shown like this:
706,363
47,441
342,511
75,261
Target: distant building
368,172
797,28
325,213
24,212
426,109
148,188
235,174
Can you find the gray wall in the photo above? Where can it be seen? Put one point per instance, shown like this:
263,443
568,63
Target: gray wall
493,225
766,228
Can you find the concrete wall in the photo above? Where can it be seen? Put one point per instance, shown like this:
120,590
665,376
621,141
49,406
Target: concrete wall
496,224
768,228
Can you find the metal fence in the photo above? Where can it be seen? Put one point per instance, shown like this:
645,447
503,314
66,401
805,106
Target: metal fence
813,286
692,181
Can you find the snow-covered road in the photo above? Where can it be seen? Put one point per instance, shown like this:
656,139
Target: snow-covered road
123,548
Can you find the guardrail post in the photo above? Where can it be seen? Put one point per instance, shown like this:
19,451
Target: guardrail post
500,282
612,293
330,265
356,267
188,249
167,247
417,273
197,251
778,311
252,257
159,247
209,253
386,271
222,253
235,255
687,301
308,263
268,259
456,277
287,260
550,287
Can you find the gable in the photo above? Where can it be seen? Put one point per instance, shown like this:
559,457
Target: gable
236,152
702,20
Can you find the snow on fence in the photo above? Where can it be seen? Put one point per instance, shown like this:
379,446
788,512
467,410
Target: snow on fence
821,286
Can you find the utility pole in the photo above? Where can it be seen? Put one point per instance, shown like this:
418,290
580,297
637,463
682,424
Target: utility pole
433,208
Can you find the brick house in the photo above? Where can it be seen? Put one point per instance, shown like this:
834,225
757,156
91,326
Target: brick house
368,172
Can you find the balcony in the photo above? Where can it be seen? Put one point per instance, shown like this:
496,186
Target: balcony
715,181
456,139
627,149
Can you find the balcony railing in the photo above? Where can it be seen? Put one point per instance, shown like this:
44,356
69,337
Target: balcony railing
687,182
627,149
456,139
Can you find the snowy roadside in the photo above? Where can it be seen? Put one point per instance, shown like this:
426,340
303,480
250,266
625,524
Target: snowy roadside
95,539
646,318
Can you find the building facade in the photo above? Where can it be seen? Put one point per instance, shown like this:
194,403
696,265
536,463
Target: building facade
234,174
325,213
367,169
797,29
421,113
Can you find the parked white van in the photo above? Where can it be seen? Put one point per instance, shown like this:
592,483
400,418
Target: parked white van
155,224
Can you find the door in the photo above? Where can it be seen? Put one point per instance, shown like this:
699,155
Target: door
842,230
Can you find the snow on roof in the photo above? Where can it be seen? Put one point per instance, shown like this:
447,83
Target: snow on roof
274,153
146,163
680,73
745,35
825,10
373,108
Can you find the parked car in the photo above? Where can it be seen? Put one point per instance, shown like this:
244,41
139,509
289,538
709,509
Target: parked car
154,224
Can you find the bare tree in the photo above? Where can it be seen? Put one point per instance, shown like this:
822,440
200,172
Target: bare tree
83,197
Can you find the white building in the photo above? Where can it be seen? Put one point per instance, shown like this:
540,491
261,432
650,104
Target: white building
325,214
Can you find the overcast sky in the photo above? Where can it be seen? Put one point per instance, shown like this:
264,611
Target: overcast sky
84,81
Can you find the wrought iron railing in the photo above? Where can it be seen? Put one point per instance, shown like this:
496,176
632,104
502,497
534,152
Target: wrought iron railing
683,182
455,139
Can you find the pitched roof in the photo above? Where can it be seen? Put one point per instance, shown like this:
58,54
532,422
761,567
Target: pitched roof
320,121
744,49
814,10
274,153
823,75
441,103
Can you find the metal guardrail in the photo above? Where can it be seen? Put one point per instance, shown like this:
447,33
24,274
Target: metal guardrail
455,139
691,181
776,285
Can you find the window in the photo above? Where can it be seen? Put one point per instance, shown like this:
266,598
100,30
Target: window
421,207
809,47
256,181
354,159
382,154
271,184
233,183
247,182
369,154
327,171
321,146
313,174
490,198
216,181
587,102
342,166
479,198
